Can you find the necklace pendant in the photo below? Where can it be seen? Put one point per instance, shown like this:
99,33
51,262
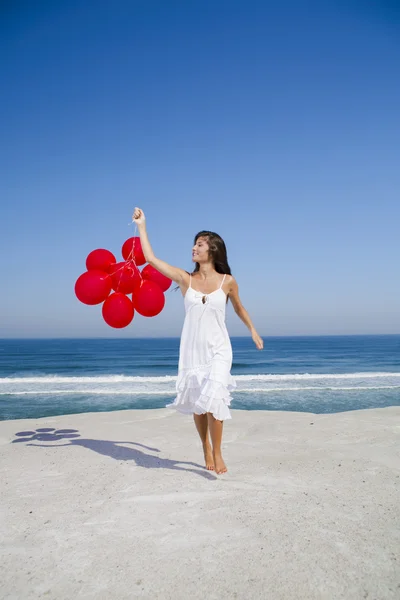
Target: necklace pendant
204,299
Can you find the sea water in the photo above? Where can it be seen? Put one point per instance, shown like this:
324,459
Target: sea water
310,374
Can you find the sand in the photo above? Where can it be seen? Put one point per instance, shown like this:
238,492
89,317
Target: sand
309,508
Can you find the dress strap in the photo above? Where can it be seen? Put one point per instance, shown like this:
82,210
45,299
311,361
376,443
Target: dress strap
222,282
190,280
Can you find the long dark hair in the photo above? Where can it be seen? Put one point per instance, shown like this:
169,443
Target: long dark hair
217,252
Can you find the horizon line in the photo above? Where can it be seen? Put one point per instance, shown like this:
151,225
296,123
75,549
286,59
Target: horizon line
317,335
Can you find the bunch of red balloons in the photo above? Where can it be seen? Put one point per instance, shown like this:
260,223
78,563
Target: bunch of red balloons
122,286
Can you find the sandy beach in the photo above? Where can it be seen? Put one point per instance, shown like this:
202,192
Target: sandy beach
118,505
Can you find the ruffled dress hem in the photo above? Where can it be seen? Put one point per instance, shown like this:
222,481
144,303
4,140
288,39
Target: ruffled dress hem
203,390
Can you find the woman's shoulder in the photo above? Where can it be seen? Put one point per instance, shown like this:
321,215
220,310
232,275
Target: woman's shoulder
227,279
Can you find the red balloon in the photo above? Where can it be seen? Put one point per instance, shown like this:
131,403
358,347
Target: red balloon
132,250
118,310
100,259
125,277
149,299
93,287
152,274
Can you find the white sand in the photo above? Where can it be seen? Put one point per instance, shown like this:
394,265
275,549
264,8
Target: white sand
309,508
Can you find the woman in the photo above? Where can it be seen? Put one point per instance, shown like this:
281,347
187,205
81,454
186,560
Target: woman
205,357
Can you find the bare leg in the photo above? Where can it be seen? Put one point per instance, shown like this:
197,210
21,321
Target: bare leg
201,422
215,428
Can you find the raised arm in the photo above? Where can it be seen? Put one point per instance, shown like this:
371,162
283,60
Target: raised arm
242,313
178,275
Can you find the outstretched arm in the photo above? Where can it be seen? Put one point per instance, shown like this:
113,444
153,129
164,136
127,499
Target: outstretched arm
242,312
141,445
178,275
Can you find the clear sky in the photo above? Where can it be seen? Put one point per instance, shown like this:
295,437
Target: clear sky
276,124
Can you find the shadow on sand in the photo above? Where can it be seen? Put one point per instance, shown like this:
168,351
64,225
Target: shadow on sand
116,450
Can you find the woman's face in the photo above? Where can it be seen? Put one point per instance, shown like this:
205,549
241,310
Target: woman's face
200,251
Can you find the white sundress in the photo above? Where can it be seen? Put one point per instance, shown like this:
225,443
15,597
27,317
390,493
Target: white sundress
205,358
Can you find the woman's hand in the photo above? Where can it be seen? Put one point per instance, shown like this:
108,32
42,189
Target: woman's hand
138,217
257,340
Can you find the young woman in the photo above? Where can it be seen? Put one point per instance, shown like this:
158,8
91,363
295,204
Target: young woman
205,357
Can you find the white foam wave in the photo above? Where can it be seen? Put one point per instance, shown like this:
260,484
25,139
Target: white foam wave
127,385
111,392
170,378
93,379
316,376
325,388
89,392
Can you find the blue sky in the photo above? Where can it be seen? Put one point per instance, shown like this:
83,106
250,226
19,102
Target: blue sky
275,124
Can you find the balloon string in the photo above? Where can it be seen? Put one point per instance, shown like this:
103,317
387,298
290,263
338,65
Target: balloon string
130,259
131,255
119,280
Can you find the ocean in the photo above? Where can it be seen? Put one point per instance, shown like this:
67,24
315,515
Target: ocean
40,378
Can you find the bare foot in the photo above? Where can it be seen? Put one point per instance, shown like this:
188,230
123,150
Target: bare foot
208,457
220,466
